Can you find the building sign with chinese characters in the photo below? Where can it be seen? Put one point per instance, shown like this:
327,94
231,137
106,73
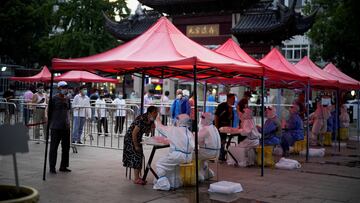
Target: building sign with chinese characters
208,30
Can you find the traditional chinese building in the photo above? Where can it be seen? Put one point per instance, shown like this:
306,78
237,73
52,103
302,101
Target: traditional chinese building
257,25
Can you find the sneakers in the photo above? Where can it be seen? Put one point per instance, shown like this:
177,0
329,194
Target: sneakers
79,142
53,171
64,170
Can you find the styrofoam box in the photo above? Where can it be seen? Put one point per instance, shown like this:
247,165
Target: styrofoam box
225,187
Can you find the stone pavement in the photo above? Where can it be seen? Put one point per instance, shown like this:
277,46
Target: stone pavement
98,176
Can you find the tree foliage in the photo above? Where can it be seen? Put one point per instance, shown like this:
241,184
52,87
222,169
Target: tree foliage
82,29
23,24
336,33
35,31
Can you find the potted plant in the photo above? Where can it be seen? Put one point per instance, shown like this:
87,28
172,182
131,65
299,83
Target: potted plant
14,139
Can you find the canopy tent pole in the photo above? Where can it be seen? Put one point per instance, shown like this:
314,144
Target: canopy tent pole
358,117
123,87
307,97
337,123
262,124
205,90
278,103
48,125
142,93
196,137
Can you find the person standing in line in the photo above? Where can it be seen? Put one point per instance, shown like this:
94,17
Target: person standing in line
120,114
101,115
10,109
40,100
180,105
148,99
224,117
164,111
60,128
211,100
133,151
82,111
28,95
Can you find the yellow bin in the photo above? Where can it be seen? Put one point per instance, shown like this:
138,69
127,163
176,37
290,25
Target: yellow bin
300,145
268,157
344,133
327,138
187,174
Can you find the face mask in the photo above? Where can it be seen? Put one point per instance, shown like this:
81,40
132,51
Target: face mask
152,118
179,96
41,90
64,92
84,92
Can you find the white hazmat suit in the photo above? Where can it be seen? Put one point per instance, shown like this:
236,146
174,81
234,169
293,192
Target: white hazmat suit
344,117
319,118
244,152
181,148
209,145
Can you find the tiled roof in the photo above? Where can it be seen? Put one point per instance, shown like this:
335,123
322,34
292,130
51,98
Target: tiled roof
174,7
130,28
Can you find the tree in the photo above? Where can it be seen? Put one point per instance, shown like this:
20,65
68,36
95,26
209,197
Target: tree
81,28
336,34
23,24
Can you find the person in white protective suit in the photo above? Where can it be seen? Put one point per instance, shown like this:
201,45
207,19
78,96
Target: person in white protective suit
244,151
319,119
181,148
209,145
344,117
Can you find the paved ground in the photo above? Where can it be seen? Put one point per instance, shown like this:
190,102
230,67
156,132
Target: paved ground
98,176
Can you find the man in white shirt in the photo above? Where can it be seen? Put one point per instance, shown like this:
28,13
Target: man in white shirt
100,114
120,114
164,111
28,95
40,100
82,111
148,99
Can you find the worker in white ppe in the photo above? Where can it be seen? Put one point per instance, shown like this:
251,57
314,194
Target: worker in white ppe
181,148
248,129
209,145
319,119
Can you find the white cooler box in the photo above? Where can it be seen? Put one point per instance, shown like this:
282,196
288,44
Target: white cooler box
225,187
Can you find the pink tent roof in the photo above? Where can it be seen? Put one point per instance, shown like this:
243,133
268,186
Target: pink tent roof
162,45
43,76
231,49
274,60
331,68
317,76
83,76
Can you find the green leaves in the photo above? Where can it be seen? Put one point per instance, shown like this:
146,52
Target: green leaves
336,32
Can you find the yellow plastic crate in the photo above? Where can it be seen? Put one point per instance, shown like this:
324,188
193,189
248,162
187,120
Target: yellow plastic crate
300,145
344,133
187,174
268,157
327,139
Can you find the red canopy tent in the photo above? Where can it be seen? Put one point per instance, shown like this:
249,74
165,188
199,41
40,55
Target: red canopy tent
317,76
43,76
231,49
83,76
331,68
161,51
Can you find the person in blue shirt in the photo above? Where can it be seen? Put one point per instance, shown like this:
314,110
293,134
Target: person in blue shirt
211,100
180,105
331,122
293,131
272,127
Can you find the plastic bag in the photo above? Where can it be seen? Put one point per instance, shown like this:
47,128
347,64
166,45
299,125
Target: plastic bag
314,152
162,184
287,164
225,187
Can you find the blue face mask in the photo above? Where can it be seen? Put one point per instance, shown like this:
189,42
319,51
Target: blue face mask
64,92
